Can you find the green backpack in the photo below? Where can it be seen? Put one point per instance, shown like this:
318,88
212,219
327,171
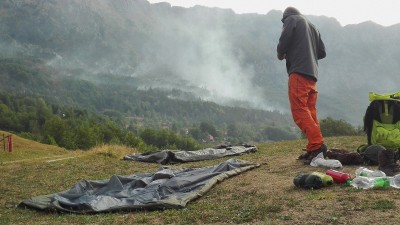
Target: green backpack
382,120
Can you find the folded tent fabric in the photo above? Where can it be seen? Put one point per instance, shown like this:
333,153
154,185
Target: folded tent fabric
180,156
164,189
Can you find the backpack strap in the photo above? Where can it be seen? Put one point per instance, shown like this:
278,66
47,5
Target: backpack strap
396,111
386,113
372,113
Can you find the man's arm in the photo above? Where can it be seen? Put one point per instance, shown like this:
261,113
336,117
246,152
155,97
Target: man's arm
286,36
321,49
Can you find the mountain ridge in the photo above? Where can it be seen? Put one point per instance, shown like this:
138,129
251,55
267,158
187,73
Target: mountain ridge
214,53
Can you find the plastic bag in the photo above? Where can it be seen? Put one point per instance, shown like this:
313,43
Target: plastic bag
328,163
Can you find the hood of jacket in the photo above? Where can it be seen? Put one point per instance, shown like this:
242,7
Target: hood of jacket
289,11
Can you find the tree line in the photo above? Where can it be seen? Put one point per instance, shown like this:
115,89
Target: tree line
72,128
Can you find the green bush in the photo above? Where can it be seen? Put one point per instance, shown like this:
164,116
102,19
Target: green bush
278,134
332,128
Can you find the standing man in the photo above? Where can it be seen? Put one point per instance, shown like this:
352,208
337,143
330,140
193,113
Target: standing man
301,45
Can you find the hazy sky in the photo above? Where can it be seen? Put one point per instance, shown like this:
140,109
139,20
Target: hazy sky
384,12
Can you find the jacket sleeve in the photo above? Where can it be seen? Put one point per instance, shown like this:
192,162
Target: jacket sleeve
321,49
287,32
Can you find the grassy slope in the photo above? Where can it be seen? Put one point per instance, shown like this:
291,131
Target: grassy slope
265,195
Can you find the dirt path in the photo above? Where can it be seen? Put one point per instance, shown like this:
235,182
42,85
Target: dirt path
47,159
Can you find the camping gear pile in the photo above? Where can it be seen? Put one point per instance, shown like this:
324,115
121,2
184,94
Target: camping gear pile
382,126
364,179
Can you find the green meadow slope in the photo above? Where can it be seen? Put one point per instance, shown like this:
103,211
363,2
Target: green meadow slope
265,195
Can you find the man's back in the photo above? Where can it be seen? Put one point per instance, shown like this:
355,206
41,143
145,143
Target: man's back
301,44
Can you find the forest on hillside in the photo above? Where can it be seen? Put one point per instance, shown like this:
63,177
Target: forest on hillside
38,98
73,128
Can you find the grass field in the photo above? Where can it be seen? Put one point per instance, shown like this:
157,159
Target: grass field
265,195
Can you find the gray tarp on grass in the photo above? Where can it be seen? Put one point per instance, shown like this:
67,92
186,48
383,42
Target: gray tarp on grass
179,156
167,188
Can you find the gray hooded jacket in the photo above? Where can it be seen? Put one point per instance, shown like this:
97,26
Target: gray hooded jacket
300,43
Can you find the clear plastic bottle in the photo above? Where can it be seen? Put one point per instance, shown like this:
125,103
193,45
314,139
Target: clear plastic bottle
382,182
362,182
364,172
395,181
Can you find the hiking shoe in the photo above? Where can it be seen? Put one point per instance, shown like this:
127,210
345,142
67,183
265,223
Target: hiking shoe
314,153
387,162
304,156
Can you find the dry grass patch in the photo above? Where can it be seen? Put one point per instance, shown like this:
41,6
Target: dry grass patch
114,151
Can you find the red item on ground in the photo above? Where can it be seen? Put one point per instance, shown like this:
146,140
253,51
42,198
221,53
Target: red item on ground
338,177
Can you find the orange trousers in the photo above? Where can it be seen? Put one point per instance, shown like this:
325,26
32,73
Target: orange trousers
303,99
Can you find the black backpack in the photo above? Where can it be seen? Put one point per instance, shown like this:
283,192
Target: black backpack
369,154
